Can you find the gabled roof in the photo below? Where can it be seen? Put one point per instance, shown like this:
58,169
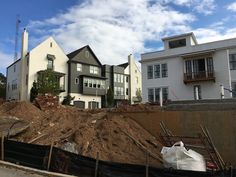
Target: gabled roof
124,65
76,52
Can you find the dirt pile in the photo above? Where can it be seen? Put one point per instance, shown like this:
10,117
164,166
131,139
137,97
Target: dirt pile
46,101
115,137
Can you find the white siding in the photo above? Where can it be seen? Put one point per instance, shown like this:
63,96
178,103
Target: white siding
180,91
11,77
87,99
38,61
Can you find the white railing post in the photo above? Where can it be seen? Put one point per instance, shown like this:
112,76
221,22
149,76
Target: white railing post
222,92
196,93
161,98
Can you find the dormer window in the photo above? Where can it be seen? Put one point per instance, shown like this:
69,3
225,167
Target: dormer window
177,43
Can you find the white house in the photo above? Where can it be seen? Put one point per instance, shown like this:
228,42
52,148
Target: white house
186,70
135,82
31,67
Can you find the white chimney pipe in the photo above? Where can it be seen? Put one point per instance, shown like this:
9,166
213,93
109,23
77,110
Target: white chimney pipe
24,44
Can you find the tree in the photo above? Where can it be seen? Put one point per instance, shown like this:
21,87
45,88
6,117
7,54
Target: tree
33,91
139,95
48,82
3,84
110,97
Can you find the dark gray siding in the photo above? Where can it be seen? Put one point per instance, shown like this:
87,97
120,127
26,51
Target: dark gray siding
86,61
82,58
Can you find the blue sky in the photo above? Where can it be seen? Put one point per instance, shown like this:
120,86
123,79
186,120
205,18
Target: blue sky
113,28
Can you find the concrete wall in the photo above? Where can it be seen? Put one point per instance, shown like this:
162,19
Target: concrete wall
221,125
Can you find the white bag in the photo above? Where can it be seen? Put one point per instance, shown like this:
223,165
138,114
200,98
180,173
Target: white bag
177,157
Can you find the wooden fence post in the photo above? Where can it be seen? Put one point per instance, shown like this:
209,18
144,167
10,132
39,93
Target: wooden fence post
96,167
50,156
2,147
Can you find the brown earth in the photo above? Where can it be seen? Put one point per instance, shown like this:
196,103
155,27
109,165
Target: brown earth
116,137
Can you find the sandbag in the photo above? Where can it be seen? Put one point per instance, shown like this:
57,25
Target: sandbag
178,157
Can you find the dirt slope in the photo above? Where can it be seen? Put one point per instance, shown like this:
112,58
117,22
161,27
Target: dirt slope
115,137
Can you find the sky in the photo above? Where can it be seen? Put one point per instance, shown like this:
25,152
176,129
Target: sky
113,28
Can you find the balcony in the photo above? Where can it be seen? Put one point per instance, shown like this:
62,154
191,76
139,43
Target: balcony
199,76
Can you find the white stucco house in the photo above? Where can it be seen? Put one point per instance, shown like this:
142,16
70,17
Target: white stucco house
186,70
31,67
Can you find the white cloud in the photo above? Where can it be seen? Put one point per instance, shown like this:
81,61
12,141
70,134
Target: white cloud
212,33
205,7
231,7
113,28
5,60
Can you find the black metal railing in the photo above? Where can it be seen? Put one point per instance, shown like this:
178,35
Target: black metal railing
199,76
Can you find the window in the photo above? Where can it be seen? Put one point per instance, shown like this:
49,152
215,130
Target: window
157,94
127,91
151,95
165,93
27,61
150,72
232,60
14,85
210,68
115,77
14,68
79,67
157,71
86,82
94,83
121,78
93,70
50,64
121,90
76,80
234,89
118,77
127,79
50,44
154,94
90,82
177,43
164,70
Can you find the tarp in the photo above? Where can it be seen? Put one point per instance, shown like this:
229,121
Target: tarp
36,156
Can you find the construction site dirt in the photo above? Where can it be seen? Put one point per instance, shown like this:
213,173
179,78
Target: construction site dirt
123,134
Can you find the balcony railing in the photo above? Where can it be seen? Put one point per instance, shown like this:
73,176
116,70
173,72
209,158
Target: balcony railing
199,76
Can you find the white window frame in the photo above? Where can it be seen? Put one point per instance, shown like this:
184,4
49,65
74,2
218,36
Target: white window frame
79,67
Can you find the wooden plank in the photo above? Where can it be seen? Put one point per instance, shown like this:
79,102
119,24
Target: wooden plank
96,166
2,146
50,156
143,147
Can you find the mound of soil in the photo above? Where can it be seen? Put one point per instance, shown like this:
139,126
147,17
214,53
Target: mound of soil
115,137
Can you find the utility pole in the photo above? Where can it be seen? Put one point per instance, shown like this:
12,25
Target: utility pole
16,37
